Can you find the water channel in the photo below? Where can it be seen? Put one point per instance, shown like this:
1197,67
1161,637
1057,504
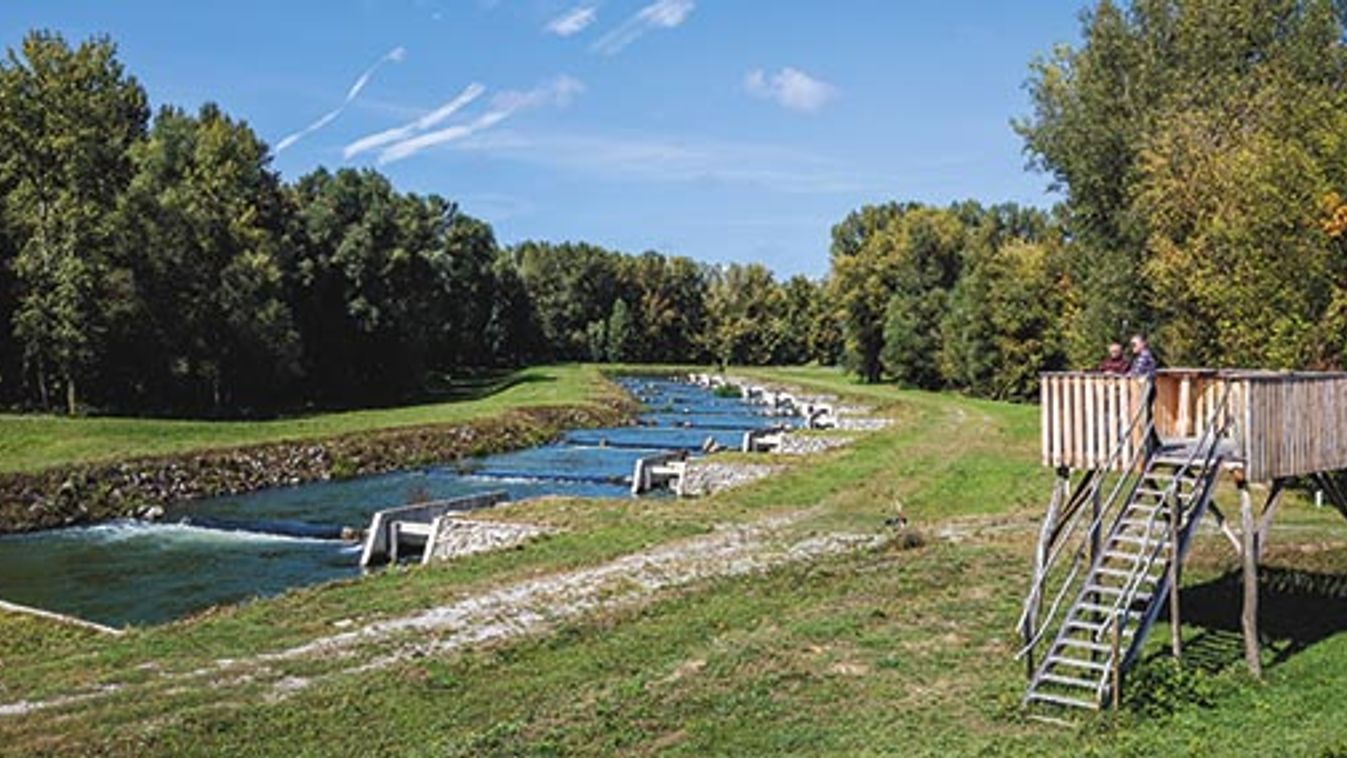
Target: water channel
227,549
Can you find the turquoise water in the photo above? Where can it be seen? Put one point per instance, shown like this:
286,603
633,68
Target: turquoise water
227,549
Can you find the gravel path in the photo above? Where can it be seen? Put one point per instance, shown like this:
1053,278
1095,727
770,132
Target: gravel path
512,611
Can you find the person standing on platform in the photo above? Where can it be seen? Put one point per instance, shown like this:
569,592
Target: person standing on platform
1143,361
1116,362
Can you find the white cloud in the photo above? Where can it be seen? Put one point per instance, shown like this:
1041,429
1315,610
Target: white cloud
661,14
558,92
434,118
573,21
667,159
790,88
396,55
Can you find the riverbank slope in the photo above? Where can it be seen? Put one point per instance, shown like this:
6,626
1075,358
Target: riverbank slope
786,616
58,471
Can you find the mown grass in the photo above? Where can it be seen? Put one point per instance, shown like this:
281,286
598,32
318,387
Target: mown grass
890,651
32,442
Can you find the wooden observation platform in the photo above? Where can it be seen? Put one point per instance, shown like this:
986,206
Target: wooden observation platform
1138,462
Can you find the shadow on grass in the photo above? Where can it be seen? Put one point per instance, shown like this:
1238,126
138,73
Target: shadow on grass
480,384
1296,609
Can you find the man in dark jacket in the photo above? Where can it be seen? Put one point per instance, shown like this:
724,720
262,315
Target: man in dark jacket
1143,362
1116,362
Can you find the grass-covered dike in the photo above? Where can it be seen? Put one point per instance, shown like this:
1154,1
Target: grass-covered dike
901,647
90,469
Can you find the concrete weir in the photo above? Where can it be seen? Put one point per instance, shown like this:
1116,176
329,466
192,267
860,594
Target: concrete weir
419,524
658,469
762,440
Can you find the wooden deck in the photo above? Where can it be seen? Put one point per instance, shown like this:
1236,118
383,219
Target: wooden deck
1277,424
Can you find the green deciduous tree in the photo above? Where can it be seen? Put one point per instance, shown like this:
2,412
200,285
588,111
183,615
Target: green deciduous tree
1195,140
203,223
620,333
67,119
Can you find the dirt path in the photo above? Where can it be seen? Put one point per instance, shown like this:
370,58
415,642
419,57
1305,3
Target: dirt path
512,611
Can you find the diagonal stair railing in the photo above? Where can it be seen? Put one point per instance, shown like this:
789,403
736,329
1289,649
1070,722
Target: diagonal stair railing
1127,617
1061,529
1200,467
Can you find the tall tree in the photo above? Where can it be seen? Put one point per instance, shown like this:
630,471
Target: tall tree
572,287
67,119
744,305
1004,322
205,219
1194,140
621,333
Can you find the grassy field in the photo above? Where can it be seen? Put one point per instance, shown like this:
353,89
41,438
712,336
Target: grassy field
30,442
903,649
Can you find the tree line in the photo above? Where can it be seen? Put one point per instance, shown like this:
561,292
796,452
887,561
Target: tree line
157,262
1201,148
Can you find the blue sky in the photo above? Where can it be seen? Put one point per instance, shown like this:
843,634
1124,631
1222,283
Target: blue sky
726,130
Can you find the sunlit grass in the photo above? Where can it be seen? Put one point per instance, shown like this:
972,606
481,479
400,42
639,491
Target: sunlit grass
890,651
31,442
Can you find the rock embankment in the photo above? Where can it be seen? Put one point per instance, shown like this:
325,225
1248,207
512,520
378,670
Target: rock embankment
709,477
461,537
800,444
92,492
861,424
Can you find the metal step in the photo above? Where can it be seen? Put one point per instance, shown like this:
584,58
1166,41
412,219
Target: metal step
1096,629
1071,702
1145,522
1069,681
1103,589
1104,571
1094,647
1080,663
1163,540
1146,509
1108,609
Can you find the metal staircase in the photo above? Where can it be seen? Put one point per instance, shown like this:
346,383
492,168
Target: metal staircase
1118,575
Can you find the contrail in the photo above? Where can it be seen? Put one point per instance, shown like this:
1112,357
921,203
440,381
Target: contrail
392,56
559,92
470,93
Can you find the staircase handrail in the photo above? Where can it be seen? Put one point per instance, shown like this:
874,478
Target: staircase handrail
1057,541
1207,445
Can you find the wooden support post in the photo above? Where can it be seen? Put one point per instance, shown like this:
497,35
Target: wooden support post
1274,499
1249,619
1224,524
1185,420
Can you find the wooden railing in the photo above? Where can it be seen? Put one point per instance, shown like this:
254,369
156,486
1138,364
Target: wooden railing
1279,424
1087,416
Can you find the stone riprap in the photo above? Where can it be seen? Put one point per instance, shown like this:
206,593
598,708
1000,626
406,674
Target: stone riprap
860,424
708,477
460,537
93,492
800,444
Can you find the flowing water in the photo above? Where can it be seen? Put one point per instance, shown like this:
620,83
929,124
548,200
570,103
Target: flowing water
227,549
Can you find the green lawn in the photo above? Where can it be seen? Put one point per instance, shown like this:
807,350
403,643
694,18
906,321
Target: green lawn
889,651
31,442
